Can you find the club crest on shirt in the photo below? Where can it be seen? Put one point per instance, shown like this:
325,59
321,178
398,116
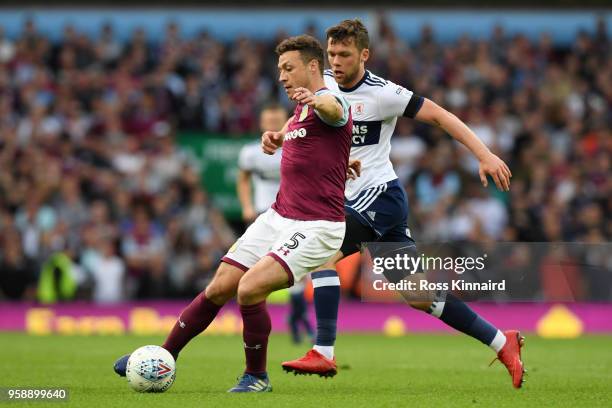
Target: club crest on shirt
358,107
304,113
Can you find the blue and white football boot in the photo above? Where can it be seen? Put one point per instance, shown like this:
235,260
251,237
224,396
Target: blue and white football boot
251,383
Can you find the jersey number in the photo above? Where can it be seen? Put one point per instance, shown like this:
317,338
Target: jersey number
293,242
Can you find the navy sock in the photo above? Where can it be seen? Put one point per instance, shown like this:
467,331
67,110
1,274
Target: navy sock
458,315
326,300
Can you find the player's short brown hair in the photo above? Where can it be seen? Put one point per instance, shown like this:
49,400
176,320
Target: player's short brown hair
309,48
350,29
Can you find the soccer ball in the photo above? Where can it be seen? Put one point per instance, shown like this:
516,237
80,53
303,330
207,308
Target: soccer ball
150,369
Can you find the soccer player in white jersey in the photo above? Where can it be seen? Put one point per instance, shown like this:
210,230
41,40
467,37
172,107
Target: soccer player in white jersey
376,206
263,170
260,169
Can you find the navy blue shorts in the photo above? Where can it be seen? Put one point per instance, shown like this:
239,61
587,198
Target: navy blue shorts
379,213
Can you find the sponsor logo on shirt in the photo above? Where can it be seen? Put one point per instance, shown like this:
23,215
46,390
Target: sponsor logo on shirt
365,133
301,132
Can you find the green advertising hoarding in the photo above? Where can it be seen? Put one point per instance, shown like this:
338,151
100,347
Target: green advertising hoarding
217,156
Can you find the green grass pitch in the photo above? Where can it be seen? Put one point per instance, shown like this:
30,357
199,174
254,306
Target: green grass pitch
376,371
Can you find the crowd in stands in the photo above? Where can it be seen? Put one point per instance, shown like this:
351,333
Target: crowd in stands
97,202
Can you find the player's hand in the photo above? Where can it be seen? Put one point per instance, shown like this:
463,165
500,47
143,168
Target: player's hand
303,95
354,169
270,141
498,170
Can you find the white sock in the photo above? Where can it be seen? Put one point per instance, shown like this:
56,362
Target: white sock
498,342
327,351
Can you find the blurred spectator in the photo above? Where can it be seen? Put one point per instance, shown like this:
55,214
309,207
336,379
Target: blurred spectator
439,181
18,272
144,249
107,271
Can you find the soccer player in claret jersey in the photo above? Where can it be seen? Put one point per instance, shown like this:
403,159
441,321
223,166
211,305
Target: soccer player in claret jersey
263,170
376,206
303,229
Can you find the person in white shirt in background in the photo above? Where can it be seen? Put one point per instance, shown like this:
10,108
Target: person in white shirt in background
263,171
108,273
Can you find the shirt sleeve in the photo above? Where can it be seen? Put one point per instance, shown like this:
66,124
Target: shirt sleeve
245,159
345,108
394,101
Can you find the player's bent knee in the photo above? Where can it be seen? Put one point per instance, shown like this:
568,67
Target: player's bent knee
224,284
326,266
331,263
220,293
248,293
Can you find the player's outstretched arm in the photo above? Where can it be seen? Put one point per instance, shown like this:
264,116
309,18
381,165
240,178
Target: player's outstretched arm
326,105
490,164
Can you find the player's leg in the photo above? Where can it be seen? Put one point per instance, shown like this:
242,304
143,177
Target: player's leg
320,360
294,327
445,306
325,281
326,296
390,219
262,279
326,285
297,313
303,316
301,247
458,315
198,315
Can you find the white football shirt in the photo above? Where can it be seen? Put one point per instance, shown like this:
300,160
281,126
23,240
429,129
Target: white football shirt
375,103
265,173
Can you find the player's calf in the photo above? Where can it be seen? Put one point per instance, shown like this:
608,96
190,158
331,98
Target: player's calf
326,286
196,317
266,276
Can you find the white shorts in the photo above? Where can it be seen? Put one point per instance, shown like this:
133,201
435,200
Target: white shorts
299,246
